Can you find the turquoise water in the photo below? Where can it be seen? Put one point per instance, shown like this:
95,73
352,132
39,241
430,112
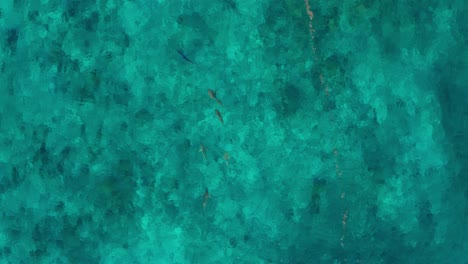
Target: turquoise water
343,133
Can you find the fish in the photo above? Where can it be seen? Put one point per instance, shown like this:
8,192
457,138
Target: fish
212,95
206,196
220,117
202,150
181,53
226,158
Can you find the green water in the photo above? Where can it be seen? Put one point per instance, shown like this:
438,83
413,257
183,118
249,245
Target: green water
343,133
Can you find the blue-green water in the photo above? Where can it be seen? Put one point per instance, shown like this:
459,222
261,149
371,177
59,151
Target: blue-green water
343,133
